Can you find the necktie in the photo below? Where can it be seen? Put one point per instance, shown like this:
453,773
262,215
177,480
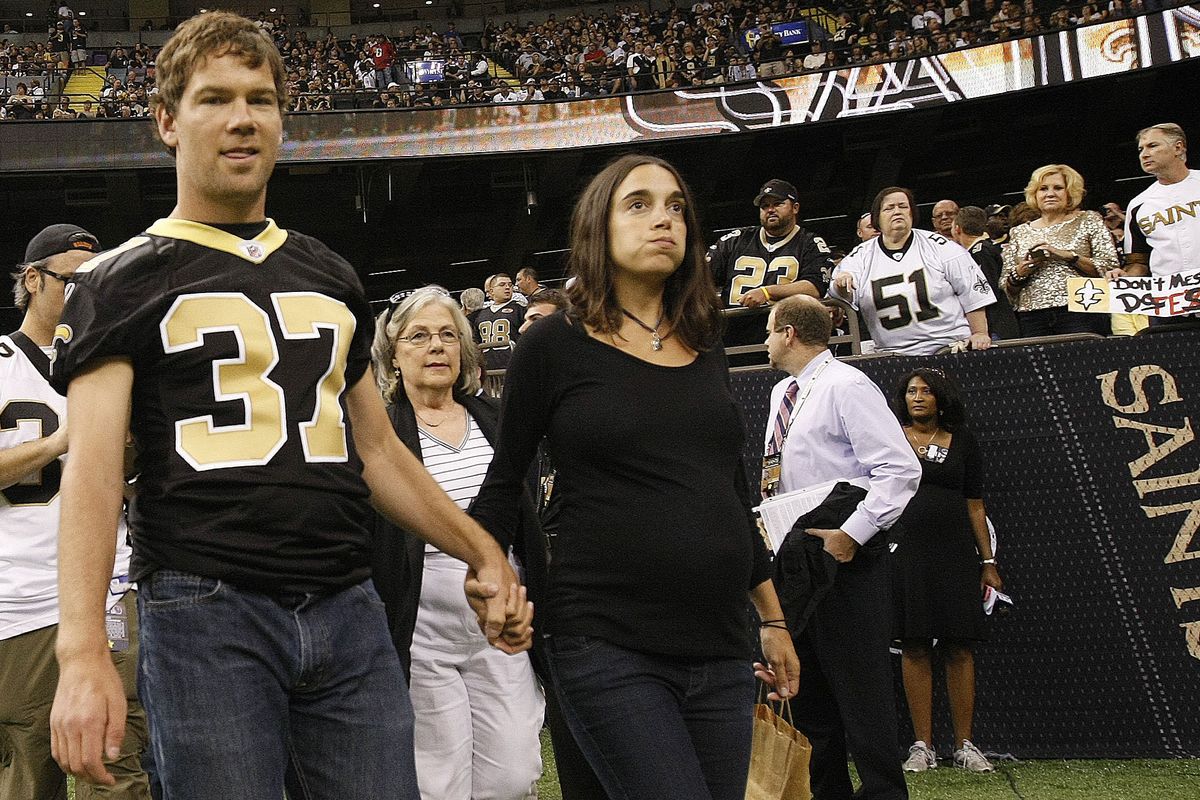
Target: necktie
786,406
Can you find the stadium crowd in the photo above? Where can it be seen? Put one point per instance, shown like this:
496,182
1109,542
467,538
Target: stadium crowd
581,55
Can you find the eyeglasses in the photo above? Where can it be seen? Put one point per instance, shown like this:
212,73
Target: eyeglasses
66,279
423,338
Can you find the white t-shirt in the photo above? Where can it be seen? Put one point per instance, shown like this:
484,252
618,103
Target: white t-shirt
1162,222
30,410
915,300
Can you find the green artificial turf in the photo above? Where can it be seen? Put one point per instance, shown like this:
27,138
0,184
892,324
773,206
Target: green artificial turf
1024,780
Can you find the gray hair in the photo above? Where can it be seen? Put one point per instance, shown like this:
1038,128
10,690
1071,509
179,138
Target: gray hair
20,293
1169,129
472,299
394,320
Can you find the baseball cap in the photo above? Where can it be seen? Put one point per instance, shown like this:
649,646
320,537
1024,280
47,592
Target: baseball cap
61,238
780,190
996,208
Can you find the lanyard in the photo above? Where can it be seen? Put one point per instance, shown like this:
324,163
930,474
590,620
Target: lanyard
801,398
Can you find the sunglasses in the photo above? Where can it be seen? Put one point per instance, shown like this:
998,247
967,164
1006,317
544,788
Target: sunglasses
66,279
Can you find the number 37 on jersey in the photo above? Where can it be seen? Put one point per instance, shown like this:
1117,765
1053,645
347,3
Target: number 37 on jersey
246,378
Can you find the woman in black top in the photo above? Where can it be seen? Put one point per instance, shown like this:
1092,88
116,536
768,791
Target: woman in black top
655,546
943,563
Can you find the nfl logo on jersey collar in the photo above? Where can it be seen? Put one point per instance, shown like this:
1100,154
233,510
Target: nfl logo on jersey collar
253,250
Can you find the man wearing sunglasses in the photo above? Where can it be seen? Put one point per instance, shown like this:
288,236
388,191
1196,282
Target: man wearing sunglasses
33,446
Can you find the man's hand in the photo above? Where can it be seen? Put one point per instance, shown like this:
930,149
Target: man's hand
755,298
837,543
782,670
498,598
87,721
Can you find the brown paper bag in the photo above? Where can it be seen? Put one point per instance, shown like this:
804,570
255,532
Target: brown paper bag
779,756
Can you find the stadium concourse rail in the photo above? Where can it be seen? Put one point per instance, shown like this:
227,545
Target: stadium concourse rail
1092,480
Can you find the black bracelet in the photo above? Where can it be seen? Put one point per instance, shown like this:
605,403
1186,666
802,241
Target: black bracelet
765,622
780,625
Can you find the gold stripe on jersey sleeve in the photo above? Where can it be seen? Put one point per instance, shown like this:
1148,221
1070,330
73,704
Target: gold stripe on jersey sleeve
255,250
100,258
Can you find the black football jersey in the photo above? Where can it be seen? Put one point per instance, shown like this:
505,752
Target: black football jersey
499,326
742,261
242,352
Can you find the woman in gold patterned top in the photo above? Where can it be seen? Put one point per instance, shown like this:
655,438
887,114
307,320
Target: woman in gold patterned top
1064,242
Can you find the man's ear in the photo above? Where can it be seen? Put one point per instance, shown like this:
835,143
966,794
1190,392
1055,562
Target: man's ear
165,121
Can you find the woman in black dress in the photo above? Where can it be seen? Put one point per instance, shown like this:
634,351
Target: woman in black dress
943,564
656,554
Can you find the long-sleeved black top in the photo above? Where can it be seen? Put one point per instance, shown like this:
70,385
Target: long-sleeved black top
655,545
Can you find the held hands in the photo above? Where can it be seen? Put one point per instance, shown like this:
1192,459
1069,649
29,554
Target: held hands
837,543
499,601
88,717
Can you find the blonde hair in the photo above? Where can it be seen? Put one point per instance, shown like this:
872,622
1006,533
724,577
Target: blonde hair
1073,180
394,320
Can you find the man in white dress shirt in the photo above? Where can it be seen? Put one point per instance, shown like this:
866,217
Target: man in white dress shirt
841,429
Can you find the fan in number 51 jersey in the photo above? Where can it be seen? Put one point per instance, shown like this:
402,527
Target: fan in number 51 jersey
917,290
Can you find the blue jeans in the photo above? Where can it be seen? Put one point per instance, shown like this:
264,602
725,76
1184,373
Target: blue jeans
656,727
248,694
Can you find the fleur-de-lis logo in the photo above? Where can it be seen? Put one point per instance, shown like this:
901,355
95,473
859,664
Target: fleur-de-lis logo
1089,294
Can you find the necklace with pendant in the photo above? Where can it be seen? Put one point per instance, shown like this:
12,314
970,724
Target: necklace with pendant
924,449
655,340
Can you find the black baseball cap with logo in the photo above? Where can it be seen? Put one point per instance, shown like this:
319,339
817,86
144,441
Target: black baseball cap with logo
61,238
995,209
780,190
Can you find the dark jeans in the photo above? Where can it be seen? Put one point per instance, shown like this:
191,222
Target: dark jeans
846,704
654,727
1057,320
248,694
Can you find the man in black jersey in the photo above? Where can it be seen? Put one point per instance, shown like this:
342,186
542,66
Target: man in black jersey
760,264
238,354
498,324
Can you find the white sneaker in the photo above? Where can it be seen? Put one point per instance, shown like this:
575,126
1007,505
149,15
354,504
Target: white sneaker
920,758
969,758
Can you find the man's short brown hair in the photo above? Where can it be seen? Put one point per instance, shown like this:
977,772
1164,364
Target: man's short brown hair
807,316
971,220
212,35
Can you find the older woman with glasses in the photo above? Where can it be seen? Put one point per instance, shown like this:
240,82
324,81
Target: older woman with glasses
478,710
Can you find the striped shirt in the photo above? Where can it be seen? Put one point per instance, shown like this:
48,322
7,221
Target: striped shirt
459,468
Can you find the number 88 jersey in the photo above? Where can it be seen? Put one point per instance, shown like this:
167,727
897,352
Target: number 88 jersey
915,299
242,352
